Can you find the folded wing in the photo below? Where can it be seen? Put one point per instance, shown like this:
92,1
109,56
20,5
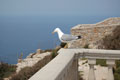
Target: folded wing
67,37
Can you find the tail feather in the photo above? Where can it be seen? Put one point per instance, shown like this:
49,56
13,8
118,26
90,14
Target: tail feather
79,37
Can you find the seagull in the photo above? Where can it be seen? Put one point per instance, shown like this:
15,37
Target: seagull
65,38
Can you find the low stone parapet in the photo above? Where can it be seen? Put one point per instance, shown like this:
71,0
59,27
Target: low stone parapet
65,65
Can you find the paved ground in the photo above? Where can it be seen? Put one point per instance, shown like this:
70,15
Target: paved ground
100,71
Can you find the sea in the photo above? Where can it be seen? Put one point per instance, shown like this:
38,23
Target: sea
25,34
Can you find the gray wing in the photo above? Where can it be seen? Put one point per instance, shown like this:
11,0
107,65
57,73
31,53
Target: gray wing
67,37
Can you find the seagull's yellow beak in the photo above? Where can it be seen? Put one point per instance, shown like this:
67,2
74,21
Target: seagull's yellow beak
53,32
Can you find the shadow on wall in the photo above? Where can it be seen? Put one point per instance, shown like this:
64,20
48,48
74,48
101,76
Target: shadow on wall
112,41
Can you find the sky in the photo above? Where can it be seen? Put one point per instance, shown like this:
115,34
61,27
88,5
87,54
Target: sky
59,7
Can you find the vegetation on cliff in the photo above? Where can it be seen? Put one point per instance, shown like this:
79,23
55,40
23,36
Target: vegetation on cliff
9,71
6,70
27,72
117,70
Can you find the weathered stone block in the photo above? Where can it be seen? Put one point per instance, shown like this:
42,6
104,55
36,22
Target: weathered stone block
99,35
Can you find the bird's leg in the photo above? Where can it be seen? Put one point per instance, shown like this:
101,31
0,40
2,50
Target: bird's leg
66,46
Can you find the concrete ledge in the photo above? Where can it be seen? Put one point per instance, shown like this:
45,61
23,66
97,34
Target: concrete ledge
95,53
56,68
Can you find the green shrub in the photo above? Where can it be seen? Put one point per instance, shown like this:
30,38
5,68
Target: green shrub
54,53
86,46
117,63
101,62
117,76
6,70
84,58
27,72
118,70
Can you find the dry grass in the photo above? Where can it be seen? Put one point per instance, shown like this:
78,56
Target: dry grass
27,72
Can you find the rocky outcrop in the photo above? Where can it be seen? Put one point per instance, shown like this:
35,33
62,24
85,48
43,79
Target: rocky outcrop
102,35
32,59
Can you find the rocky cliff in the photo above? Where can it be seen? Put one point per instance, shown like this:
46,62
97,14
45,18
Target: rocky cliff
102,35
32,59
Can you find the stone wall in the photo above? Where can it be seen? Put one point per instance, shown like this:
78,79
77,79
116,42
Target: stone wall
63,67
94,35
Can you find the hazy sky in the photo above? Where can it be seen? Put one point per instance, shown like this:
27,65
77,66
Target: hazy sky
59,7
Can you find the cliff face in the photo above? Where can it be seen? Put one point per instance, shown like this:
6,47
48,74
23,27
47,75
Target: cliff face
32,59
102,35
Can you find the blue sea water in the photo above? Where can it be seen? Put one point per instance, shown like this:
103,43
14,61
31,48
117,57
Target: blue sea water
25,34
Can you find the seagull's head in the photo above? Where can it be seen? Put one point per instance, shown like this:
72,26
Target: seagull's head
56,30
